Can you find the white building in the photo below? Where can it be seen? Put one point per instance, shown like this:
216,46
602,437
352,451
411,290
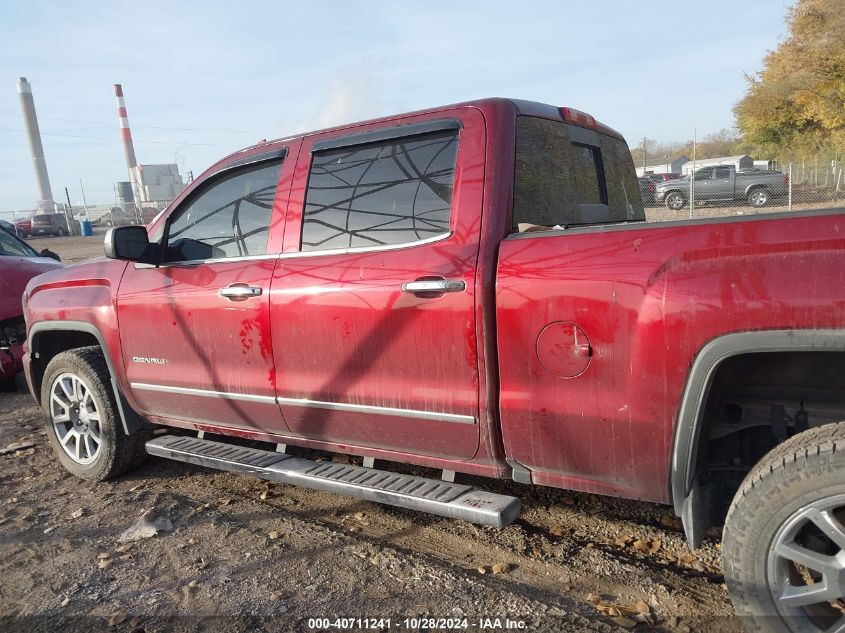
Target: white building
740,162
670,167
156,183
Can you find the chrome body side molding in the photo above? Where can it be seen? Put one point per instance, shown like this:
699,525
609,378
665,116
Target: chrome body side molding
313,404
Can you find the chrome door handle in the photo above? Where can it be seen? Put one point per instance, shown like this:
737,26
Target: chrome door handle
239,292
434,285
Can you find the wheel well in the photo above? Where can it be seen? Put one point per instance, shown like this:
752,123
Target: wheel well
757,401
755,188
45,345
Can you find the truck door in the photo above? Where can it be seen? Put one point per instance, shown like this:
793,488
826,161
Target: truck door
373,300
195,329
723,183
704,184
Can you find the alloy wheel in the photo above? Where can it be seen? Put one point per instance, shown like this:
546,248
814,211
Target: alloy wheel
759,198
806,568
76,418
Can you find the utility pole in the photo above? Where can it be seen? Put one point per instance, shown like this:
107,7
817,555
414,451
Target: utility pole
69,211
692,175
84,201
644,154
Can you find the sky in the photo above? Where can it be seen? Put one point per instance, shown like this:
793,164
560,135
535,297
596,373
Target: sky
202,79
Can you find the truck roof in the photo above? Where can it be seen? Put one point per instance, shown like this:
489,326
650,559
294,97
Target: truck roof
522,107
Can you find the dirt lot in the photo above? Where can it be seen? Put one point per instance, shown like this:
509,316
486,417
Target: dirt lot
245,555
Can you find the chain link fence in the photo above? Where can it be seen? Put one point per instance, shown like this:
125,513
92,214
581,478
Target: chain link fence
676,188
739,185
20,221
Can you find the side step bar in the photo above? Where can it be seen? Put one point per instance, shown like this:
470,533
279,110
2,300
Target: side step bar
415,493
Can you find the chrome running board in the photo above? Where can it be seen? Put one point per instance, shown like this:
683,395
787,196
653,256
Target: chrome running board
447,499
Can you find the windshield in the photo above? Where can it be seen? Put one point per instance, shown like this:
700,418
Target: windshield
10,245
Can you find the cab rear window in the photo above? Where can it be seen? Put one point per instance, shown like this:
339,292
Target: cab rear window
567,176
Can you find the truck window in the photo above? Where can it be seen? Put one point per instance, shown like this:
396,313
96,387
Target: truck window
10,245
561,182
723,172
390,192
230,218
704,174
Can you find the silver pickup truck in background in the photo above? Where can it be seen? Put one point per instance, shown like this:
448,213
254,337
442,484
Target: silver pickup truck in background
723,183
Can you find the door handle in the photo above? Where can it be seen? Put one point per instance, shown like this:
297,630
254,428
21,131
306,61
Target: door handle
437,286
239,292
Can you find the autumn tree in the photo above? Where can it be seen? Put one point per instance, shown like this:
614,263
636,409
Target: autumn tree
796,103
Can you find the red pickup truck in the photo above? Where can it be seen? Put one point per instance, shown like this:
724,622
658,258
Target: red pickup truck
473,288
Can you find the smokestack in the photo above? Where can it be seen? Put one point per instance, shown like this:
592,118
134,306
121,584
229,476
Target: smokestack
33,133
125,133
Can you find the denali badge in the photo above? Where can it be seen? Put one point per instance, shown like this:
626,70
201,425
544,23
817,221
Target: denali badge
149,361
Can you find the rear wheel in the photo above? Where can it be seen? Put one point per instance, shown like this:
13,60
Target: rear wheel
675,201
758,197
61,232
784,543
83,423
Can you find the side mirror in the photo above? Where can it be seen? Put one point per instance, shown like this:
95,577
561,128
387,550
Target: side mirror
127,242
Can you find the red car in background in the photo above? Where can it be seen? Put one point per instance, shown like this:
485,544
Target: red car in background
23,228
657,178
19,263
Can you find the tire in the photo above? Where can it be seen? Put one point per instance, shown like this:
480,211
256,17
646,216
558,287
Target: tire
81,381
61,232
798,486
675,200
759,197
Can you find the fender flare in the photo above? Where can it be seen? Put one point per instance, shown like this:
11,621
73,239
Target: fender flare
687,498
757,185
131,421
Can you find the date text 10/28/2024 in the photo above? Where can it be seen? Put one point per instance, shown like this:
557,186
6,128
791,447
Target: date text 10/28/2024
417,624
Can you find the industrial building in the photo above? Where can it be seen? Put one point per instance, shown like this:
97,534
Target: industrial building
156,183
149,185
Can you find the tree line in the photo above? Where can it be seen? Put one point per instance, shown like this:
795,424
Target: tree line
795,106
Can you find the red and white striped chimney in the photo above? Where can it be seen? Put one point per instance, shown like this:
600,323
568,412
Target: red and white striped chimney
125,133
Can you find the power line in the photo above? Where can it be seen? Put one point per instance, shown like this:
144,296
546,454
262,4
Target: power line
134,125
99,138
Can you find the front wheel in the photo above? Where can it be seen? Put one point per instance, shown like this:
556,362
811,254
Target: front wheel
784,542
82,420
675,201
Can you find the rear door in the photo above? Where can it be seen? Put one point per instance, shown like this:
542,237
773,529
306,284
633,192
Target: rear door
723,183
195,331
373,301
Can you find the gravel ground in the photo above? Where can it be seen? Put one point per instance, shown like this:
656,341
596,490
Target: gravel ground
248,555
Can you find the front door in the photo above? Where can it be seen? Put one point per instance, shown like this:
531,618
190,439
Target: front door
373,307
704,184
195,330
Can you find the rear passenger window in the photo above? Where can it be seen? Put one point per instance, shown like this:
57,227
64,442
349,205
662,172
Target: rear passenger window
558,182
390,192
230,218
